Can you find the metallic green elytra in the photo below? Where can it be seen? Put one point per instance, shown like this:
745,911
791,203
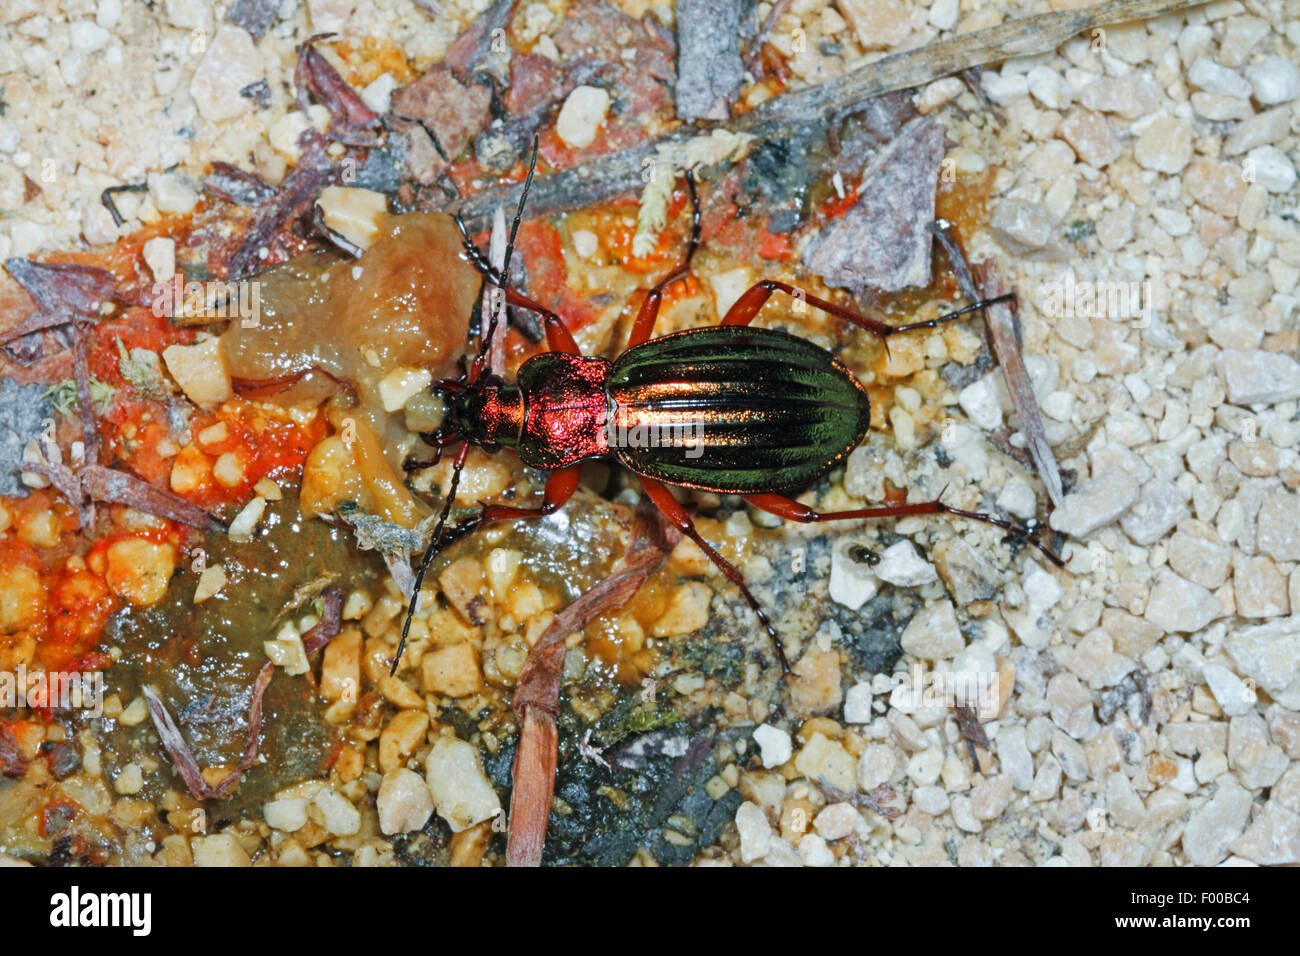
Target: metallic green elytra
734,409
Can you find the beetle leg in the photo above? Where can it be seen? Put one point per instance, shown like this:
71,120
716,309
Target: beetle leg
747,307
649,311
792,510
558,336
439,441
674,512
560,486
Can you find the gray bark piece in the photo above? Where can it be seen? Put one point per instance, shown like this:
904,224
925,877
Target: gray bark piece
883,241
709,69
22,412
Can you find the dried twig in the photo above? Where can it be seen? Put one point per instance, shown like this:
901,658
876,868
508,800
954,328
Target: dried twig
620,173
352,121
330,623
1006,348
475,43
85,408
117,487
37,322
183,758
64,287
537,694
972,731
95,483
754,57
107,201
297,193
973,78
877,800
1004,337
237,186
68,295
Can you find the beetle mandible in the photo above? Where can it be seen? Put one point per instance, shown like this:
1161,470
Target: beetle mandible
735,409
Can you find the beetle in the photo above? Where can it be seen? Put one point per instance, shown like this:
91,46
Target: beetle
734,409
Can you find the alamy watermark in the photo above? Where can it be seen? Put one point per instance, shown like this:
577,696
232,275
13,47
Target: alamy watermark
688,436
921,689
1070,298
133,911
53,690
209,300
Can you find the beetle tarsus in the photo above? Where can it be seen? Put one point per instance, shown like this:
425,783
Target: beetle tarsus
792,510
1019,531
747,307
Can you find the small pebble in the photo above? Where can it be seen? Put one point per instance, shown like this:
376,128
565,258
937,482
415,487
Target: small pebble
581,115
404,802
1275,79
1017,498
933,633
1233,696
852,583
900,564
931,800
876,766
923,768
230,63
837,820
755,832
1165,145
813,851
1212,78
979,400
1049,88
857,704
1271,168
1179,605
774,745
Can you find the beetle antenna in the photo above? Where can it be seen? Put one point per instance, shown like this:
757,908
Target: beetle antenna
431,552
500,277
485,267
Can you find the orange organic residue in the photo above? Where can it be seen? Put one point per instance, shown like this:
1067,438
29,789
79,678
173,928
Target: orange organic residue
80,606
775,245
134,428
965,202
63,608
125,259
263,439
618,640
894,495
554,150
880,396
616,229
837,206
23,613
31,521
365,60
539,244
138,328
138,437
